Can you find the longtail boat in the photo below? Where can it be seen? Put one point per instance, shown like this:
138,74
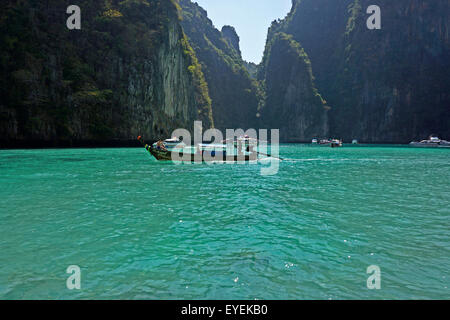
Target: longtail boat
162,153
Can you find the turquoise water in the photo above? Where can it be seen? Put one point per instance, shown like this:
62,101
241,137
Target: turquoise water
141,229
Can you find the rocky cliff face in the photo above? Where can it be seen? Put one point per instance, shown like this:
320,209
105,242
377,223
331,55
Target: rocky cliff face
292,102
235,95
388,85
151,66
395,80
129,70
230,35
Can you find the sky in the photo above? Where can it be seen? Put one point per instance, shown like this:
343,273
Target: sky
250,18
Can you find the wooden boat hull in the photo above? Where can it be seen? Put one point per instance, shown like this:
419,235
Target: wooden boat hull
166,155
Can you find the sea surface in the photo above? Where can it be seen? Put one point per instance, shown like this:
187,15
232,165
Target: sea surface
142,229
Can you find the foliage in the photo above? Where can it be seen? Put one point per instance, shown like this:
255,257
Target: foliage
76,84
385,85
202,94
235,95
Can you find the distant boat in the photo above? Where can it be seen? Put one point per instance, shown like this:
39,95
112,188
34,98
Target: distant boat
336,143
314,141
324,142
431,142
354,141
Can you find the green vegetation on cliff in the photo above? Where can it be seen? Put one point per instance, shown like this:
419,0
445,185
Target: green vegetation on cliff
128,71
292,103
235,95
151,66
388,85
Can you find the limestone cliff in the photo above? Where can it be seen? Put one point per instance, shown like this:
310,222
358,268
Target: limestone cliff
235,95
387,85
150,66
292,103
130,70
230,35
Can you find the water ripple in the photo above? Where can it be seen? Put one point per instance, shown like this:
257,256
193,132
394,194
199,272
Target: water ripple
142,229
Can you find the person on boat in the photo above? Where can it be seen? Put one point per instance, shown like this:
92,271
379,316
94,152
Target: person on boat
160,145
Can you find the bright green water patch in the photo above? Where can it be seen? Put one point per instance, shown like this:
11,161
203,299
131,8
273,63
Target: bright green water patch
141,229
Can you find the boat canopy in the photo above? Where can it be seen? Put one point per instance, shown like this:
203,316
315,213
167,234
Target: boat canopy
212,146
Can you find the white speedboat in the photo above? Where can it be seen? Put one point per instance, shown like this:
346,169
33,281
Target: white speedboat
432,142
